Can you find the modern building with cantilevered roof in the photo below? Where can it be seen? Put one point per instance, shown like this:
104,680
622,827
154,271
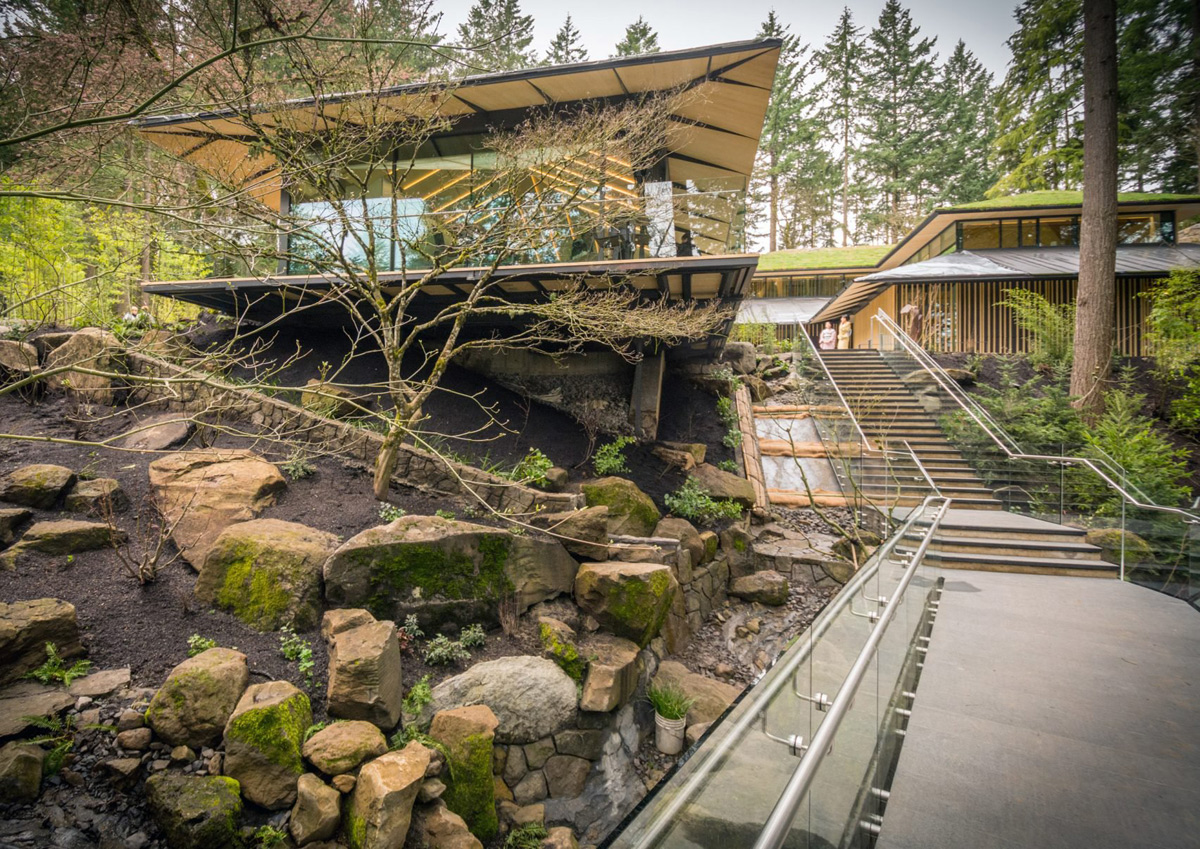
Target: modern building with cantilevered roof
956,265
680,234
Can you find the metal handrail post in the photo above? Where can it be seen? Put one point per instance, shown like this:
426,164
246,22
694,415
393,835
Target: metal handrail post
779,823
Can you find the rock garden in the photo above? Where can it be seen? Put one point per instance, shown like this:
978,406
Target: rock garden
212,634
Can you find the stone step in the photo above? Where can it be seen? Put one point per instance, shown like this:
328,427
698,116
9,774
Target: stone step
1012,531
1022,565
999,547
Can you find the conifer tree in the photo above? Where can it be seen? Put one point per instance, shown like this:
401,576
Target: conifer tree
897,110
639,38
499,34
960,144
567,46
840,63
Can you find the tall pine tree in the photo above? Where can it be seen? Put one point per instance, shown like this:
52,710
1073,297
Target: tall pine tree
499,36
567,46
639,38
840,62
899,71
960,143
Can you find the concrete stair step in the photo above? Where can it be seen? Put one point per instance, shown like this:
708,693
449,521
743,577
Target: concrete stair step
1045,549
1023,565
1012,531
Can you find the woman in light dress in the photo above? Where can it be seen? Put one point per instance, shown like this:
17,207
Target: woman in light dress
827,341
843,334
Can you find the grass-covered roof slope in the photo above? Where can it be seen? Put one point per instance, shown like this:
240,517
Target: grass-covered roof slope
855,256
1036,199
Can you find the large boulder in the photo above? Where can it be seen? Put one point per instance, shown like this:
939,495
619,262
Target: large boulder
24,703
317,812
584,532
468,733
741,357
380,808
687,535
711,698
64,536
203,492
724,485
26,627
96,497
440,569
1111,540
343,746
39,486
92,349
267,572
196,811
612,672
20,771
193,705
631,512
539,570
437,827
18,360
12,518
631,600
531,696
770,588
159,433
364,674
262,743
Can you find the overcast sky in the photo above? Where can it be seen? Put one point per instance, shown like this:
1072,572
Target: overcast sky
983,24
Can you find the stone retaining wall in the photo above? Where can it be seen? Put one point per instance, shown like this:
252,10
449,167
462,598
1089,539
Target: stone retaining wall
190,390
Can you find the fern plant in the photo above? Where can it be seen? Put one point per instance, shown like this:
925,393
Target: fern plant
1050,327
55,669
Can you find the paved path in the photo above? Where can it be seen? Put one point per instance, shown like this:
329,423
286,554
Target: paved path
1052,712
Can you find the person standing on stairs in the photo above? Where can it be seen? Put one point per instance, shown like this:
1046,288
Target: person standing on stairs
843,334
827,341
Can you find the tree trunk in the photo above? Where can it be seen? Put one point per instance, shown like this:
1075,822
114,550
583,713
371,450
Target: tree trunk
1196,87
845,183
774,205
1094,321
385,464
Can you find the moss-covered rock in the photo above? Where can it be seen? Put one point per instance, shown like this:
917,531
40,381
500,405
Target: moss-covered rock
631,600
343,746
468,734
26,627
630,511
558,641
196,812
380,808
39,486
194,703
263,740
439,569
267,572
1108,540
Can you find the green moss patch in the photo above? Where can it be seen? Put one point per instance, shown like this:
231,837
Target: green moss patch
471,792
404,571
276,731
563,652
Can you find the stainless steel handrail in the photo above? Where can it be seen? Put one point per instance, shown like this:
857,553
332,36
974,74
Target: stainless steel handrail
845,405
921,466
783,677
943,379
779,823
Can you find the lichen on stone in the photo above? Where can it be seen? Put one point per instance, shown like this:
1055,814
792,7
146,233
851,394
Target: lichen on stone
563,652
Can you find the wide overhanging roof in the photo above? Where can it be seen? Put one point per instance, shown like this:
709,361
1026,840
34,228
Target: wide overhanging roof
713,133
1008,264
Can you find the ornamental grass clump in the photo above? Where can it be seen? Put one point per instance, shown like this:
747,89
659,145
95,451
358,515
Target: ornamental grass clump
669,701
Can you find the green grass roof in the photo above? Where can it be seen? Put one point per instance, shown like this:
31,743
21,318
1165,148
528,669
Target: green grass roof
1034,199
855,256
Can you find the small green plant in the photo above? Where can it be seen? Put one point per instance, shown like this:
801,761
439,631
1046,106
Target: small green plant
412,627
1050,327
726,374
610,457
419,695
445,514
411,732
55,669
669,701
198,644
730,466
297,467
528,836
390,512
443,651
313,729
472,636
533,468
270,837
59,736
294,647
696,504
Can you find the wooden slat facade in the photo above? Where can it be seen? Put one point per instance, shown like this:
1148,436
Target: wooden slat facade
968,317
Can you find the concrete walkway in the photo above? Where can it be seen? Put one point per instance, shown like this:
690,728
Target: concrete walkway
1052,712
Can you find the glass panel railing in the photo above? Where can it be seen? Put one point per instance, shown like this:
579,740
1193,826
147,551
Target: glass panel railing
1075,485
850,664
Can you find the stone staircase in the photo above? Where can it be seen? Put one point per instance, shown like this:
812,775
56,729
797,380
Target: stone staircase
977,533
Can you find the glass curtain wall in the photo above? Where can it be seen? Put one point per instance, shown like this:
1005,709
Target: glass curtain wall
469,207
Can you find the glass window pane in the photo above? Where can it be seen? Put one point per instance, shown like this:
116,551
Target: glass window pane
1009,234
1139,228
980,235
1029,233
1057,232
